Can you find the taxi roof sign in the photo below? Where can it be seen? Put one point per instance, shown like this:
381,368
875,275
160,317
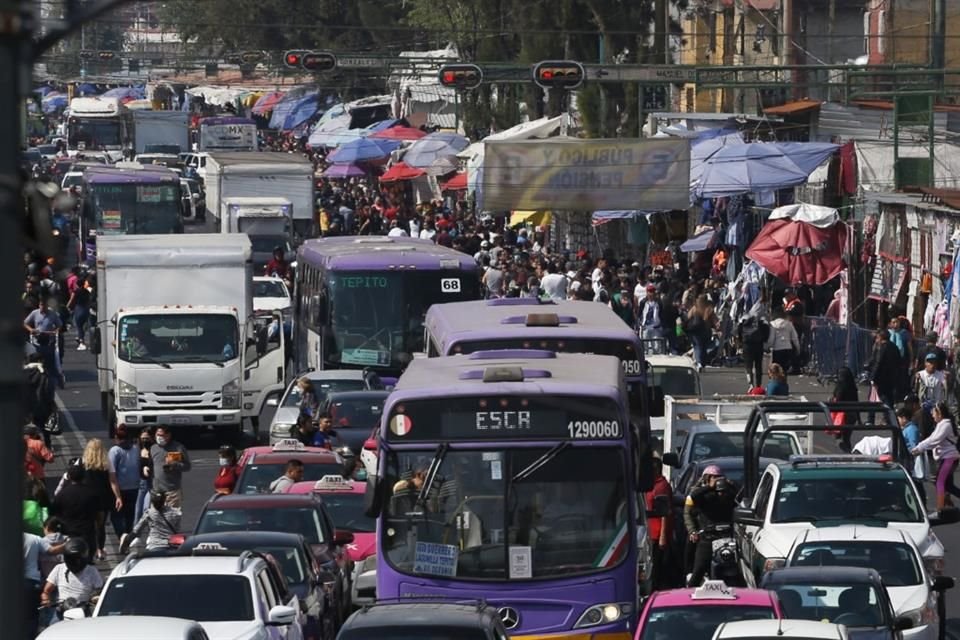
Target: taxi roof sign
289,444
714,590
209,546
333,483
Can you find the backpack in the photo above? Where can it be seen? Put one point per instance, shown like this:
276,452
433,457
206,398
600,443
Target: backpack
754,331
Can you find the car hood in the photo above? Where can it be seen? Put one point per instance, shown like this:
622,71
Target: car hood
286,415
246,630
863,633
776,540
908,598
363,545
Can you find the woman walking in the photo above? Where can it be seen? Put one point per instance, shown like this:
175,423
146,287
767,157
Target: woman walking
701,321
943,443
101,478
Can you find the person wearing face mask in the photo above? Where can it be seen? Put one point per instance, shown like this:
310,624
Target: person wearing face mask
170,461
146,472
229,471
124,458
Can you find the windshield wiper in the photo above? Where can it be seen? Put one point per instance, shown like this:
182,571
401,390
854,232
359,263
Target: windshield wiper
194,356
165,365
435,465
799,519
541,461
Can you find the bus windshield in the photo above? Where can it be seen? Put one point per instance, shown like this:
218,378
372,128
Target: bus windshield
94,133
376,318
165,339
128,209
563,510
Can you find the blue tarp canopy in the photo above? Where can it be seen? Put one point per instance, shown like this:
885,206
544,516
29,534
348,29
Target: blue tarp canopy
760,166
287,104
303,110
700,242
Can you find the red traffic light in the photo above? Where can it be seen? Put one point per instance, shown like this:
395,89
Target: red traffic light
318,61
559,74
292,59
461,76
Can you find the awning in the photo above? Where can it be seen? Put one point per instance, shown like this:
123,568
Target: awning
401,171
536,218
457,183
700,242
796,107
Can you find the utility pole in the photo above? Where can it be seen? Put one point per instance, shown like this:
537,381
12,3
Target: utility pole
938,31
14,31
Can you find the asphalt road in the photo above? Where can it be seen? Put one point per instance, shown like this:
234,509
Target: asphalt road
81,404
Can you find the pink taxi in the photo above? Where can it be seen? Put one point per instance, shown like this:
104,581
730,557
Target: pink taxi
695,614
343,500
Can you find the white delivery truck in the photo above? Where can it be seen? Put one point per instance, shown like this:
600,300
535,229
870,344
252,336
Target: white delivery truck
265,220
262,174
99,124
176,342
160,131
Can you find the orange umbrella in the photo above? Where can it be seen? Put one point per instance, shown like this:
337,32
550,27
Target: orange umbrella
399,133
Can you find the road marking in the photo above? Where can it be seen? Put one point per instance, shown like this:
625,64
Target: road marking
71,423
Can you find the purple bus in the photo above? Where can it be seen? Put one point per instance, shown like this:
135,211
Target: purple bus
128,199
513,476
359,301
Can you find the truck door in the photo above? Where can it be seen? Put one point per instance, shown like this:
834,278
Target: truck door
265,364
749,535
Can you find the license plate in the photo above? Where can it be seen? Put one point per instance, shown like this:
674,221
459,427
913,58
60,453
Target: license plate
179,420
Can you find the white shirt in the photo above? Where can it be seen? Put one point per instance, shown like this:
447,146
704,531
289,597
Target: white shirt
427,234
873,446
555,285
595,278
397,232
81,587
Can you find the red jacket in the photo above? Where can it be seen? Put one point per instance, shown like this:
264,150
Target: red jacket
655,525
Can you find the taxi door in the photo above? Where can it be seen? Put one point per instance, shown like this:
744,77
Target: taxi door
749,535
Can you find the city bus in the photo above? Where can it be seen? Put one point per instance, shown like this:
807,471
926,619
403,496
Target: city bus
360,301
128,199
526,323
514,476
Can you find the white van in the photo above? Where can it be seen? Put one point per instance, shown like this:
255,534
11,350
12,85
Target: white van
124,628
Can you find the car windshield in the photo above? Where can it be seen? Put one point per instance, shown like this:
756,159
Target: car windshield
889,497
566,507
162,339
356,412
405,631
72,181
290,560
348,512
269,289
856,605
204,598
675,381
322,388
718,444
256,477
894,561
302,520
697,622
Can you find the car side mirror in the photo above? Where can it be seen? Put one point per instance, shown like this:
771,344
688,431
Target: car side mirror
96,341
902,623
745,515
670,460
76,613
661,507
943,583
281,616
341,537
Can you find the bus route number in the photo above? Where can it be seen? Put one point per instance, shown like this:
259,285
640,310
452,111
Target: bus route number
631,367
593,429
450,285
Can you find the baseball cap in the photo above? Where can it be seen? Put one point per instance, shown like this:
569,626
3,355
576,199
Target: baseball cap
652,287
931,357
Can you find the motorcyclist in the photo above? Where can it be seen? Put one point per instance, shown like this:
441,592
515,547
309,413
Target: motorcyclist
75,579
691,520
278,267
714,503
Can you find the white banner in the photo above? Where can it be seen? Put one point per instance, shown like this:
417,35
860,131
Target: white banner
586,175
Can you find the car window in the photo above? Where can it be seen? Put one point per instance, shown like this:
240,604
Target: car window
894,561
833,497
763,495
302,520
408,631
265,587
855,605
355,412
290,561
675,381
697,622
322,388
256,477
717,444
204,598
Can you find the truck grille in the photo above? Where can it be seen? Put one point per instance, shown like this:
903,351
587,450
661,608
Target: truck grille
194,400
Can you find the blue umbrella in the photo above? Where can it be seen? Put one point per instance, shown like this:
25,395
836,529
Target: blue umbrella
302,111
380,126
759,166
133,93
53,102
44,90
363,150
87,89
287,104
436,153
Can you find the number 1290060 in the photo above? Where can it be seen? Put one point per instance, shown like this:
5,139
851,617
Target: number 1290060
593,429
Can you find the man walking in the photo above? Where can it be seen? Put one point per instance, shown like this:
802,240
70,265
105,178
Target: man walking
125,461
170,461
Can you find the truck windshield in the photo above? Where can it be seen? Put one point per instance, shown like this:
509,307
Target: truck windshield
135,209
376,319
567,508
171,338
679,382
94,133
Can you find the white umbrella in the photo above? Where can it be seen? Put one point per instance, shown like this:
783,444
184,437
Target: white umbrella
812,214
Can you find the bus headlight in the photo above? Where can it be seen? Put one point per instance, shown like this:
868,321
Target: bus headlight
126,396
604,614
230,394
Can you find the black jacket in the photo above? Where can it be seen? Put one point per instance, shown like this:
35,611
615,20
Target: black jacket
885,369
714,508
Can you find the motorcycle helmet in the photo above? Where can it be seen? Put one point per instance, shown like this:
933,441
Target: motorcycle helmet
711,470
723,485
76,555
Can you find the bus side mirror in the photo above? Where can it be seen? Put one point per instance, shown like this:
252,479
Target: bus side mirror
96,341
373,498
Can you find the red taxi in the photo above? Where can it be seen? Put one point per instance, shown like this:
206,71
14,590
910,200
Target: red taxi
695,614
259,466
343,499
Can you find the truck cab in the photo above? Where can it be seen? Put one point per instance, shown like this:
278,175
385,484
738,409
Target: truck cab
267,221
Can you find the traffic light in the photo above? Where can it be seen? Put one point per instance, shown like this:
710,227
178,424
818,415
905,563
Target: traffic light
318,61
558,74
251,57
293,59
105,55
86,54
461,76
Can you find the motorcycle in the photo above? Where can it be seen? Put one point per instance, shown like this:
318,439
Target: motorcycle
69,609
724,564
